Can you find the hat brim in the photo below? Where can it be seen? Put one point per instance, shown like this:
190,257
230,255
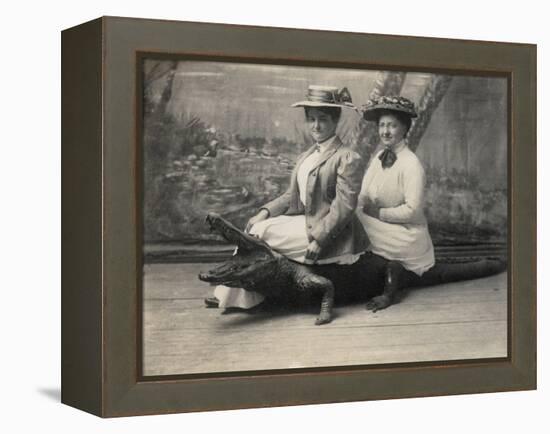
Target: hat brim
322,104
372,113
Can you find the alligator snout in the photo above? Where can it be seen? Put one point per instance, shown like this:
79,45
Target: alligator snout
220,274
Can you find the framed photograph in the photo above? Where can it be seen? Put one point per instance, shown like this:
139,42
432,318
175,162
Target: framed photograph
262,217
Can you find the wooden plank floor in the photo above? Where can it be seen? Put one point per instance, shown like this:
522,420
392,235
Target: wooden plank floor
465,320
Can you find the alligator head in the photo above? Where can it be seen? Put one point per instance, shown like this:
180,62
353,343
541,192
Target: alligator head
252,263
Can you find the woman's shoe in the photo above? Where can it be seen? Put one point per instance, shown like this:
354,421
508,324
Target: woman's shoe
212,302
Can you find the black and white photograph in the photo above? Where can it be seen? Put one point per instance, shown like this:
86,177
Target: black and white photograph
275,217
299,217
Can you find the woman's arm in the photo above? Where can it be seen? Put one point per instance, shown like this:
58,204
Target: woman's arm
280,204
348,184
414,180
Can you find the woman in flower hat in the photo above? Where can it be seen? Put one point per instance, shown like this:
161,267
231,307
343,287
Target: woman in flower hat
392,198
314,220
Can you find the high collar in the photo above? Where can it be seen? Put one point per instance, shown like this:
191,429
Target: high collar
330,146
326,144
398,147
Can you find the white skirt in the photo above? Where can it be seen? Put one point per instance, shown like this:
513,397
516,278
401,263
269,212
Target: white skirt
286,235
410,245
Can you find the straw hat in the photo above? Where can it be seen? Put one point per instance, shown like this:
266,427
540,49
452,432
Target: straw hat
326,96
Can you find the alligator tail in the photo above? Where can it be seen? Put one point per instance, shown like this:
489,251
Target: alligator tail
449,270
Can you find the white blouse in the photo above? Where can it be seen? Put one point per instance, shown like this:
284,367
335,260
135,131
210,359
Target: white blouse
308,164
401,233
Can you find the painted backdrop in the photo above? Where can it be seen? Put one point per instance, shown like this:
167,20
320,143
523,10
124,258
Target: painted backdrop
222,137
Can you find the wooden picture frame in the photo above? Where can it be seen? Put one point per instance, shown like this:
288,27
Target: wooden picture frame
101,227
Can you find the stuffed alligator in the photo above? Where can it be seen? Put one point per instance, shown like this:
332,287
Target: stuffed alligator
256,267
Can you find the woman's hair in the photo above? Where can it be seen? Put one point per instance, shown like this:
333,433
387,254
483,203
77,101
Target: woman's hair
333,112
404,118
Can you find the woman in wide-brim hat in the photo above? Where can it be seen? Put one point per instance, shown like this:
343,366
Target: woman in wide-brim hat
314,220
392,199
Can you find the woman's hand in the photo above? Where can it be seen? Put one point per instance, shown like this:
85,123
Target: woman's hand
261,216
313,250
371,209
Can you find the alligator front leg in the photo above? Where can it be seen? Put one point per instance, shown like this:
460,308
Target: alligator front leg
315,283
325,315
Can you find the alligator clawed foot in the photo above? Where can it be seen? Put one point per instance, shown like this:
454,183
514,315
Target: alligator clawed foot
378,303
323,318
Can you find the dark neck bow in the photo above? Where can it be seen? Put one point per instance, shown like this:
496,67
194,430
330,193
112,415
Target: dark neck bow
387,157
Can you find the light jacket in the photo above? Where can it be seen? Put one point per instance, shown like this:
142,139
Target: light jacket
333,187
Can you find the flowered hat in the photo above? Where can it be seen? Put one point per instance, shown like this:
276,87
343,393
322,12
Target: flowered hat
395,103
326,96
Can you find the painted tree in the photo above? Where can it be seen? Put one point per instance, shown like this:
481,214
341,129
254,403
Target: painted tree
158,79
433,94
155,74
